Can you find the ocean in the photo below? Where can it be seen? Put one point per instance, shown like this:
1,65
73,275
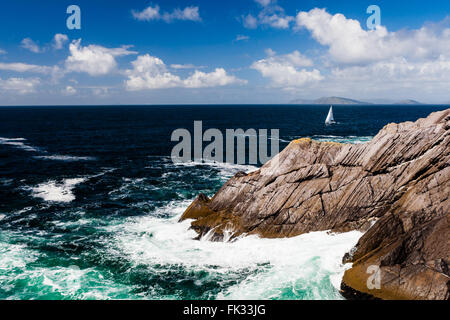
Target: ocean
90,202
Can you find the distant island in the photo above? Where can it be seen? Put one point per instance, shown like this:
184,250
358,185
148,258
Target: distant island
347,101
409,101
329,100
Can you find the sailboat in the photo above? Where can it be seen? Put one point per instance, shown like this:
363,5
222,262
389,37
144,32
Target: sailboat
330,117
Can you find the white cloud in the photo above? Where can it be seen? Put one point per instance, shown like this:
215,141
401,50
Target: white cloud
288,71
185,66
19,85
250,22
265,3
270,52
296,59
275,20
241,37
93,59
218,77
397,78
380,62
69,90
29,44
24,67
396,73
59,40
153,13
349,43
188,13
270,15
151,73
149,13
2,51
54,71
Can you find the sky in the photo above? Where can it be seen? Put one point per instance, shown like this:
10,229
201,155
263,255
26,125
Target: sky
222,52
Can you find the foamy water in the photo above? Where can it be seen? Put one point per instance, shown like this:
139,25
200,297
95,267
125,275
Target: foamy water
162,252
157,256
91,205
227,170
304,267
343,139
64,158
18,143
57,191
19,266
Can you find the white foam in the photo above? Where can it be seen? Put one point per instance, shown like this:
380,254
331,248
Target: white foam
23,276
64,158
15,256
225,169
80,284
18,268
18,143
11,139
57,192
343,139
307,261
62,191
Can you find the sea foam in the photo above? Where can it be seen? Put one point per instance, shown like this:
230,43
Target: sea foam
304,267
18,143
227,170
57,192
21,278
64,158
343,139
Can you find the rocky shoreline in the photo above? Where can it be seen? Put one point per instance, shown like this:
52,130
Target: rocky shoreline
395,188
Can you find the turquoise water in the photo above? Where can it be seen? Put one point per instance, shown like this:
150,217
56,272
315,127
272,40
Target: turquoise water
90,202
155,257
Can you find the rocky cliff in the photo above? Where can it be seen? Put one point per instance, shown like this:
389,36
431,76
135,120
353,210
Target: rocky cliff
396,188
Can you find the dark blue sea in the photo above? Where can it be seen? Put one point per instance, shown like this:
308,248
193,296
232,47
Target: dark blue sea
90,201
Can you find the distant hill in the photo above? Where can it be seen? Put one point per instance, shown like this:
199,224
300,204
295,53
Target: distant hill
329,100
346,101
408,102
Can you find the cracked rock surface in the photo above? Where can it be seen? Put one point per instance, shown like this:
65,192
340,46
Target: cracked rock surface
395,187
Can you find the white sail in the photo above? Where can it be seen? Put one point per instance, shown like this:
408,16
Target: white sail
330,117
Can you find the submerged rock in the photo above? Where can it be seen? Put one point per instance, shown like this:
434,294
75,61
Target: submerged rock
395,187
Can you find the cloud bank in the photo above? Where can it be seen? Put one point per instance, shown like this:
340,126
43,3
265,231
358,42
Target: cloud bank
150,72
287,71
93,59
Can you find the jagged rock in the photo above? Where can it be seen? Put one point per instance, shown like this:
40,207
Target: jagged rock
399,183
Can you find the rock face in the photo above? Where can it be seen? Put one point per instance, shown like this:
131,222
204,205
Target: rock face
395,187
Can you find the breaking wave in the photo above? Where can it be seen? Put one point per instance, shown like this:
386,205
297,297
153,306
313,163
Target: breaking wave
64,158
57,191
18,143
305,267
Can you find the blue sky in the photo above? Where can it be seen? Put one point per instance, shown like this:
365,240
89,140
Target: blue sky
208,51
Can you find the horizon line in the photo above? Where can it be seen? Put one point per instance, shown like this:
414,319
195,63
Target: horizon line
225,104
